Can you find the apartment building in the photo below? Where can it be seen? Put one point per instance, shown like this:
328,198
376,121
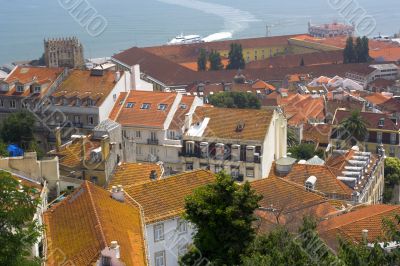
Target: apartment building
243,143
371,73
26,87
168,235
153,126
383,131
85,99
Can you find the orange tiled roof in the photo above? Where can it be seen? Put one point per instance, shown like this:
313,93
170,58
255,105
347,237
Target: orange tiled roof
165,198
350,225
179,118
43,76
152,117
327,182
71,153
128,174
224,121
377,98
118,105
303,108
86,222
81,84
262,85
319,133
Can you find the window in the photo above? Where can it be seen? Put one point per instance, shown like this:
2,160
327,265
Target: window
1,103
392,151
158,232
36,89
138,150
162,106
77,119
250,172
235,152
153,135
94,179
393,138
381,122
183,106
171,134
153,150
130,105
189,147
13,104
90,102
182,249
235,171
182,226
20,88
145,106
379,137
138,134
219,151
189,166
159,258
114,97
250,153
90,120
204,149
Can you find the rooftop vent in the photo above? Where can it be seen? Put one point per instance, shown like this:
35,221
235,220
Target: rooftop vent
310,183
117,193
240,126
153,175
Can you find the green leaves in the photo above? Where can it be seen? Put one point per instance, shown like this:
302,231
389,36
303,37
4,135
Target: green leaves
18,230
236,59
241,100
223,215
354,126
18,128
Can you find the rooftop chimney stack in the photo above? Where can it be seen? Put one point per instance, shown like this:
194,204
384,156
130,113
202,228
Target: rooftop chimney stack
115,247
153,175
188,120
105,147
365,236
57,133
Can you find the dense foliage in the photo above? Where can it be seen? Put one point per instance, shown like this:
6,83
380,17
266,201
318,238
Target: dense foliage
18,128
305,151
215,61
236,59
241,100
392,177
223,215
202,60
18,230
358,53
354,128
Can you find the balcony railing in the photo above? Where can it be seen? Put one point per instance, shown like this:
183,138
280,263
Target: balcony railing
152,141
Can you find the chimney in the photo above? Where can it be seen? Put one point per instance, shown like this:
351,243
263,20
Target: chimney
364,233
188,120
153,175
117,76
105,147
115,247
57,133
135,77
117,193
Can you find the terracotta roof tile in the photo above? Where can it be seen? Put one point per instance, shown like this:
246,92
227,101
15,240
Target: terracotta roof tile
71,153
350,225
132,113
377,98
223,122
81,84
179,118
128,174
31,75
318,133
165,198
86,222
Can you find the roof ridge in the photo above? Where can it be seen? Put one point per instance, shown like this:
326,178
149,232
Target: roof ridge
100,228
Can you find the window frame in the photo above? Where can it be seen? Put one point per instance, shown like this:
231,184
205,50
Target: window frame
157,255
159,228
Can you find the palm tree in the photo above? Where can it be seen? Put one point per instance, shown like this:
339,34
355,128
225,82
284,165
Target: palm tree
354,127
291,138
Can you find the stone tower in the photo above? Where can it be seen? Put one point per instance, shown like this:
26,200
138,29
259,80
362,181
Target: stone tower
64,52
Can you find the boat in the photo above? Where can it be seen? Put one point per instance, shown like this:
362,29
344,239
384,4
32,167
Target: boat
185,39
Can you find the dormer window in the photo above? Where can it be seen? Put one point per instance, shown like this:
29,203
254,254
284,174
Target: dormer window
183,106
130,105
64,101
78,102
162,107
20,88
4,87
381,122
90,102
145,106
37,89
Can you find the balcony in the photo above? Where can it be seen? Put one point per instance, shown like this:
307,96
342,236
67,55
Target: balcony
152,141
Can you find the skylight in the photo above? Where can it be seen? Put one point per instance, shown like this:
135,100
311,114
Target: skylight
130,105
162,106
145,106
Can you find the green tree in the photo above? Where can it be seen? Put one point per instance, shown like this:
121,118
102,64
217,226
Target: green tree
392,177
354,127
236,59
3,149
349,52
215,61
223,215
304,151
18,128
202,60
18,230
359,50
365,47
241,100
